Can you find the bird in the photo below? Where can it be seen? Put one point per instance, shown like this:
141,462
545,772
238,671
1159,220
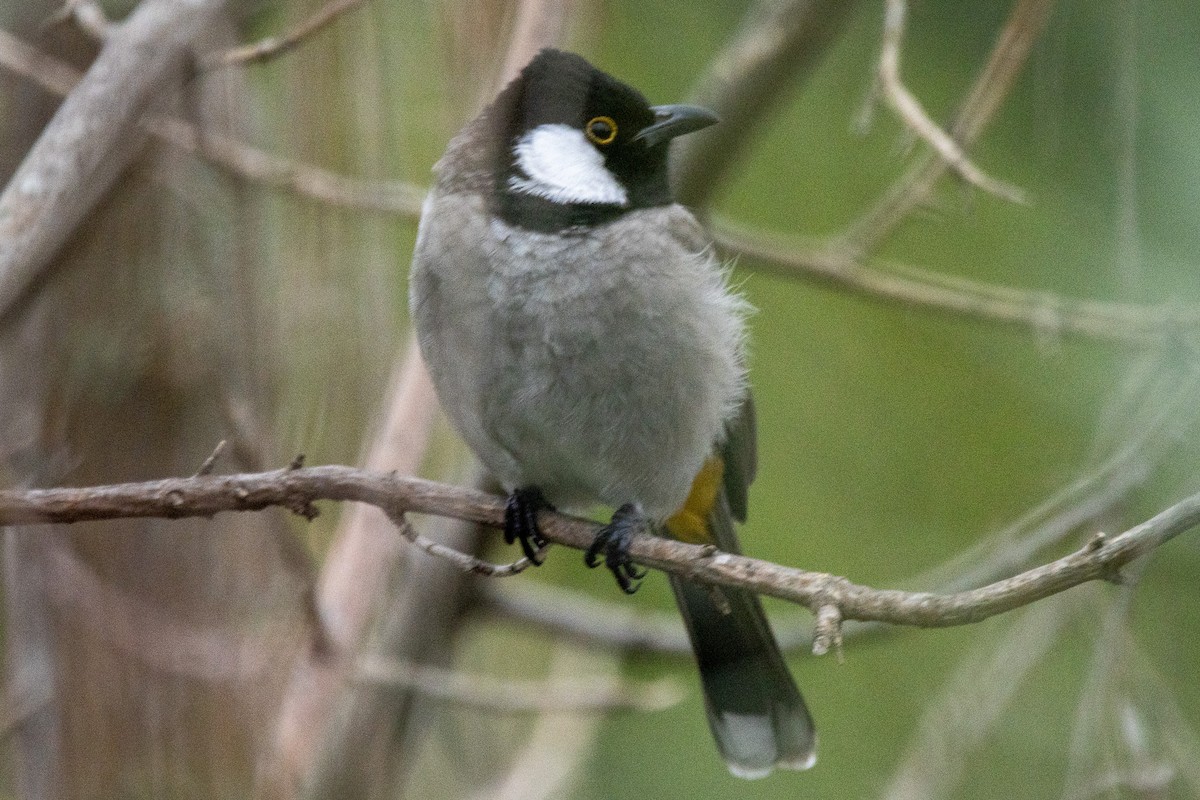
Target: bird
583,338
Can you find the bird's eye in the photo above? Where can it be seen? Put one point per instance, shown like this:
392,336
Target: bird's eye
601,130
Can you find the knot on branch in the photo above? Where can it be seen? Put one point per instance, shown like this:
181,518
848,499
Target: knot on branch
827,633
302,506
173,504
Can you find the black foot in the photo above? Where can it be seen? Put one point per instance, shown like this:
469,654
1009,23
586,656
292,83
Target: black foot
520,521
613,541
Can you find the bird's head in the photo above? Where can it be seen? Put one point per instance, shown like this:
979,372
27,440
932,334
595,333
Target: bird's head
573,145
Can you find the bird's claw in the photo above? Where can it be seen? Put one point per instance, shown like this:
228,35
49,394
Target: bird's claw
520,521
613,541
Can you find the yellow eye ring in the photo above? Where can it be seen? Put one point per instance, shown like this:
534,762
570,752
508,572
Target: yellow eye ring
601,130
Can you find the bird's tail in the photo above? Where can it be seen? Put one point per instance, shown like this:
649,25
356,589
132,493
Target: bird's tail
756,713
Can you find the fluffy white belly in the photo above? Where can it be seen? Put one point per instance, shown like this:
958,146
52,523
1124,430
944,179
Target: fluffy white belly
611,360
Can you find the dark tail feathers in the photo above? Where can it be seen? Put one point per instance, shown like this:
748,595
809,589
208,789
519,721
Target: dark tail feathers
756,713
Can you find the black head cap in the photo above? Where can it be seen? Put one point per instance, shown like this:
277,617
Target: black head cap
563,88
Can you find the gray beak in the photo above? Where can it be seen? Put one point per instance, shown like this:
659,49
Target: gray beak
672,121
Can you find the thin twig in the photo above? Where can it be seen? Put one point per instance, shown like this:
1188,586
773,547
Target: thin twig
236,157
273,46
464,561
1044,313
245,161
575,615
910,111
510,695
207,467
1008,57
298,489
55,76
1041,311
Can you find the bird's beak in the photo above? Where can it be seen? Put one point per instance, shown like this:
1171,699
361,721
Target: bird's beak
672,121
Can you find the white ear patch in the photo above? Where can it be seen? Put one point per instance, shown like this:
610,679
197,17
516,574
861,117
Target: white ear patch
561,166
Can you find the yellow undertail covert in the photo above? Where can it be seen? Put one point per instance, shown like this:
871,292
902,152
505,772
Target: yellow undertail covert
690,523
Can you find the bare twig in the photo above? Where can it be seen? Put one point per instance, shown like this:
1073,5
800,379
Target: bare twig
242,160
910,111
827,632
1042,312
238,158
508,695
969,705
273,46
298,489
92,138
53,75
464,561
572,614
1024,26
209,463
777,47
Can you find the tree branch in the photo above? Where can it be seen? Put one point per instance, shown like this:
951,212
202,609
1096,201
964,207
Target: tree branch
396,198
492,693
1022,29
298,489
274,46
913,114
1043,312
92,138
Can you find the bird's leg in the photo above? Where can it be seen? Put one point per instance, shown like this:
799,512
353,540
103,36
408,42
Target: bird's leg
520,521
613,540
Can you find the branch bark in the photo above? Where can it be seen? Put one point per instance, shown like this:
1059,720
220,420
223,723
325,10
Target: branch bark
298,489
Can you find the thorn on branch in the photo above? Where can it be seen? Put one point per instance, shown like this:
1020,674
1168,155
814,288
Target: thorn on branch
1096,542
296,463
